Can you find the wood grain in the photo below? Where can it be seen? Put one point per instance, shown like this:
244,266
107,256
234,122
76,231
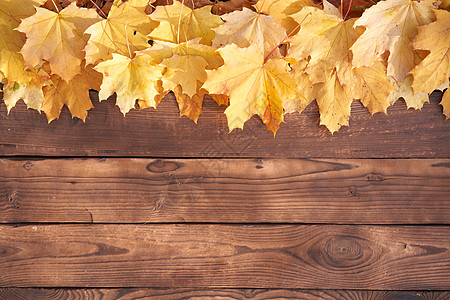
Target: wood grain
162,133
269,256
228,294
117,190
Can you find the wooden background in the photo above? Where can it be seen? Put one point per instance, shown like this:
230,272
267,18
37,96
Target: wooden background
152,206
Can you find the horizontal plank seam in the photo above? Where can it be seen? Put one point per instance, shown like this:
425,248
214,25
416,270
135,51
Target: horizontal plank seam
230,224
50,157
213,288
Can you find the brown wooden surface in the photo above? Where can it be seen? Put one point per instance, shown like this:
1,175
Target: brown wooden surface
114,190
339,180
162,133
188,255
228,294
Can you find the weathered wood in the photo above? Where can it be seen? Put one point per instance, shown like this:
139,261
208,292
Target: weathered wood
230,294
162,133
275,256
133,190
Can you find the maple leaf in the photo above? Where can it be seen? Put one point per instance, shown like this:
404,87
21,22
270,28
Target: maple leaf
185,63
282,10
247,27
74,94
190,106
57,38
334,100
405,91
446,103
185,71
373,88
304,84
255,85
178,23
435,68
326,39
131,79
31,93
124,31
11,41
390,27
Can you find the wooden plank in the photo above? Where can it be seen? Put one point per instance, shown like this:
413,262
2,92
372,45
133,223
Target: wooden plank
162,133
270,256
414,191
235,294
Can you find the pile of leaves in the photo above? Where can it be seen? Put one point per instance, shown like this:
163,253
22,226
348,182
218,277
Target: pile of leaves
266,58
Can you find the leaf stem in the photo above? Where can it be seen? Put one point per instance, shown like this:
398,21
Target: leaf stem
56,6
348,9
99,9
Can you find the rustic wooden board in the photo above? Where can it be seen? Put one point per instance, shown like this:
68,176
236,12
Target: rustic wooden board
235,294
366,191
162,133
264,256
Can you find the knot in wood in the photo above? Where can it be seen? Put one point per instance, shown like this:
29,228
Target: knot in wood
375,177
28,165
160,166
13,200
345,252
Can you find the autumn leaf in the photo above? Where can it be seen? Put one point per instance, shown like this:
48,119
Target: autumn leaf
334,100
190,106
373,87
405,91
178,23
186,63
282,10
57,38
390,28
326,40
124,31
74,94
11,41
247,27
185,71
31,93
305,87
435,68
131,79
254,85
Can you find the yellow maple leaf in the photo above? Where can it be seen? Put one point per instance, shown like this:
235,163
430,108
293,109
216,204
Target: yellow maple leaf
247,27
11,41
185,63
178,23
334,100
372,87
190,106
185,71
255,85
305,87
446,103
12,11
281,11
131,79
405,91
74,94
435,68
57,38
326,40
31,93
124,31
390,27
